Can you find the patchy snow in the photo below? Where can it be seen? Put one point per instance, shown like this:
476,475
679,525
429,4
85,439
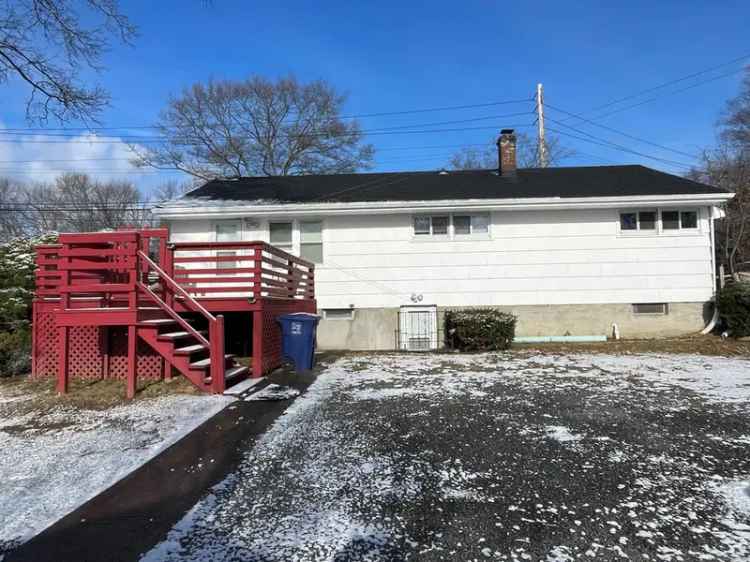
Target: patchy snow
561,434
273,392
54,461
442,457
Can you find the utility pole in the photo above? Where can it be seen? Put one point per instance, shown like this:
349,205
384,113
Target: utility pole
542,145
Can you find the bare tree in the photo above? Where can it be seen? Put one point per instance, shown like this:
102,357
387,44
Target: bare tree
49,43
257,127
11,223
77,203
729,169
484,158
735,122
172,189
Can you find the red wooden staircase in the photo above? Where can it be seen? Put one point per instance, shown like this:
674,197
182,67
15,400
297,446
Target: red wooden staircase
93,289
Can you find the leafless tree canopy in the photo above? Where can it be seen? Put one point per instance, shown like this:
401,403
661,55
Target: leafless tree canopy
728,166
47,43
72,203
736,120
257,127
484,158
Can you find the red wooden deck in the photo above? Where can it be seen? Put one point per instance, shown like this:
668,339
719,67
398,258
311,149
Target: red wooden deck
129,304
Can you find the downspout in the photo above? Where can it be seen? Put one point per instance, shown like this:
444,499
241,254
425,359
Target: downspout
715,318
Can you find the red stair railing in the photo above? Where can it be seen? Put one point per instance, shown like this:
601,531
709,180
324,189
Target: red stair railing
171,289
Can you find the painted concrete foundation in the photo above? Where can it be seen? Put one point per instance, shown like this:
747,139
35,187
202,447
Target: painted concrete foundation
375,328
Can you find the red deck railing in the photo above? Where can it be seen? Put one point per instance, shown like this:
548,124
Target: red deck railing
249,269
101,270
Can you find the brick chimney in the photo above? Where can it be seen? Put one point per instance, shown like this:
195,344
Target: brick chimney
506,153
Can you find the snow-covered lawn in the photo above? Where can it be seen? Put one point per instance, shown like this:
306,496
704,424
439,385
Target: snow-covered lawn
492,457
52,461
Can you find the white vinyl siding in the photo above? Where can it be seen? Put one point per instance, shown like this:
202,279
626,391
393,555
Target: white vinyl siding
531,258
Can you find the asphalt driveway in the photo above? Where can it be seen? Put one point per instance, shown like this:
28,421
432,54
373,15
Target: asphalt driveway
492,457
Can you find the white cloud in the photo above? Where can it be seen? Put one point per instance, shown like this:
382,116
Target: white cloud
40,157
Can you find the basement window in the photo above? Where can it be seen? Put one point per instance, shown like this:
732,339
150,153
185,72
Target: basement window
652,308
338,313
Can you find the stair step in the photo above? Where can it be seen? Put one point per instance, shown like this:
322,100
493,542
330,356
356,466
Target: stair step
205,363
231,375
187,350
159,322
178,335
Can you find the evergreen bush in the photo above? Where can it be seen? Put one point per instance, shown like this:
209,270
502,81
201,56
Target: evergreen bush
479,329
734,308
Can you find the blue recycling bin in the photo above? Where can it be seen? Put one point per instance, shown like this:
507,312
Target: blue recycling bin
298,338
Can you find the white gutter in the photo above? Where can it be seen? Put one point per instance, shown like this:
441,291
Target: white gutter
247,209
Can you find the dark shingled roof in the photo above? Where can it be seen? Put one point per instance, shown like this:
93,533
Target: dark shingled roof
579,181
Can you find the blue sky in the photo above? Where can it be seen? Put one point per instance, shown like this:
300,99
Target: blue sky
392,56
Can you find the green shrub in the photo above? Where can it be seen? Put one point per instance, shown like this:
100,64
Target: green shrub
479,329
734,308
15,353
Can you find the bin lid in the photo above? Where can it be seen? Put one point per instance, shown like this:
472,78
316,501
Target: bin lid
304,316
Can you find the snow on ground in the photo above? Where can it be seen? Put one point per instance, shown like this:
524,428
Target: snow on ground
53,461
495,456
273,392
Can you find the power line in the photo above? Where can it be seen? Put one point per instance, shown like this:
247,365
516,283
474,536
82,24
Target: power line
378,130
608,144
669,83
353,116
186,141
612,129
736,71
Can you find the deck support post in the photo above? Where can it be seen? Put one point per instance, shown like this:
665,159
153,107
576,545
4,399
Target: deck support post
216,339
62,359
257,362
132,362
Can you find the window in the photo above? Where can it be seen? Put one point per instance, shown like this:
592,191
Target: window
228,231
280,235
670,220
424,226
338,313
462,225
679,220
689,219
311,241
628,221
471,224
651,308
647,220
638,220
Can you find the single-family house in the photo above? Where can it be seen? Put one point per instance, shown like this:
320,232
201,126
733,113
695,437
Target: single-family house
569,250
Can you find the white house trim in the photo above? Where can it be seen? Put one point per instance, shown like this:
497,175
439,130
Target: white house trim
235,209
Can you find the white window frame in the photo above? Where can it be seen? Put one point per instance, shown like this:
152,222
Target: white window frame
290,247
659,230
322,236
451,233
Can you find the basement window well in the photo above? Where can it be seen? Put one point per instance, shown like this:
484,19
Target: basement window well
652,308
338,313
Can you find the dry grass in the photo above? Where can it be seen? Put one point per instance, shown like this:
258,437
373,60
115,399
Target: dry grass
88,394
702,345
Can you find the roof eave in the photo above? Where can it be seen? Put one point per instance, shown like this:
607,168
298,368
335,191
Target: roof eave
393,207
